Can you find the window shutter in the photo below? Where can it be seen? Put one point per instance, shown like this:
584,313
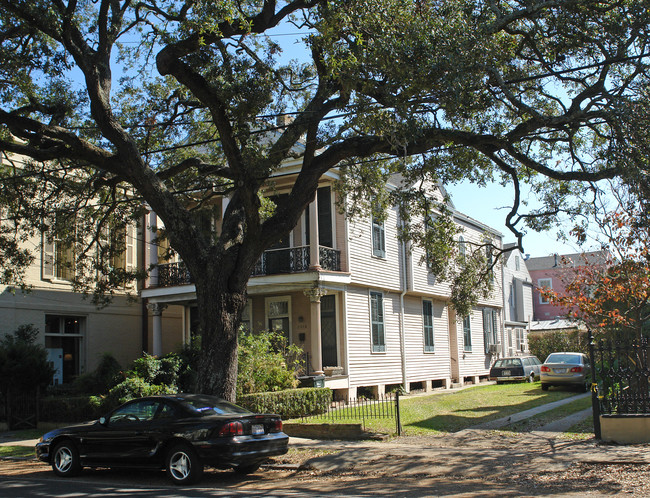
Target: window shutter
486,333
47,261
130,247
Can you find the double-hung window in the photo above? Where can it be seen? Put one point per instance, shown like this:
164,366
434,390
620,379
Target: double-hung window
377,322
378,237
58,258
544,283
489,329
467,333
427,321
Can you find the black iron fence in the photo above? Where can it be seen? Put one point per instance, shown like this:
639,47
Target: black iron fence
21,409
622,376
361,409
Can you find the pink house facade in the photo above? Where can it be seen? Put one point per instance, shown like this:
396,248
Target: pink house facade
556,272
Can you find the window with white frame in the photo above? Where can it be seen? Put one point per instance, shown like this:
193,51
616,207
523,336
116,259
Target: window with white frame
121,242
246,318
490,329
278,311
467,333
378,237
544,283
57,259
64,336
377,322
521,341
427,323
517,264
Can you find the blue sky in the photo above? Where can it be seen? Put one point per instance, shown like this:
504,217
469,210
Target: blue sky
491,204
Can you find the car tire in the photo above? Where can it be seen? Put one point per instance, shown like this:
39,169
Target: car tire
247,468
183,465
544,387
65,460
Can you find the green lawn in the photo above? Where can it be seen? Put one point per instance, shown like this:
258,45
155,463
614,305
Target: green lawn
16,451
454,411
534,423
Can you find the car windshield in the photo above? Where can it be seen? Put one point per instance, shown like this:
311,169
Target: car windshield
508,362
563,358
213,406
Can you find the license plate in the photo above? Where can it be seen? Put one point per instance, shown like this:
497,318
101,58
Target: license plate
559,370
257,429
505,373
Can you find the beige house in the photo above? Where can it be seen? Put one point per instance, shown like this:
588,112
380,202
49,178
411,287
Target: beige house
355,298
74,331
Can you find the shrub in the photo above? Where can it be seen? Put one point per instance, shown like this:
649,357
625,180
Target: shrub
169,372
292,403
70,408
106,376
134,387
146,368
263,363
23,364
543,344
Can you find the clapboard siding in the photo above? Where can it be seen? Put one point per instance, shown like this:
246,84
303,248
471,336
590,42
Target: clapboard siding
421,365
366,367
475,362
368,270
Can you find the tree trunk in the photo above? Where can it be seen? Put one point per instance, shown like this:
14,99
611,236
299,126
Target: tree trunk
220,311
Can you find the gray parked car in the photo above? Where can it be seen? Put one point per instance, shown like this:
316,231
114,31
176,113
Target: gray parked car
566,369
515,368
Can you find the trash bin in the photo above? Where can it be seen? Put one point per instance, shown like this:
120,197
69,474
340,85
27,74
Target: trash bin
311,381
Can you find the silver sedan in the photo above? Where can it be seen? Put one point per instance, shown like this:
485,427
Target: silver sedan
566,369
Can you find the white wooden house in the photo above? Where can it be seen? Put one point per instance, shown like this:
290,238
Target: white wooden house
358,300
518,303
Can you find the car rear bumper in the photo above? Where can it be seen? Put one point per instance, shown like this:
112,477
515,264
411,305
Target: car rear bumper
507,379
577,379
242,449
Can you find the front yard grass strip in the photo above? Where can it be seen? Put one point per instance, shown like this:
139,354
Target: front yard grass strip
538,421
16,451
443,412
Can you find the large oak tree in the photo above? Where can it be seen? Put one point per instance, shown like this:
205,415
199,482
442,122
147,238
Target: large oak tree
170,103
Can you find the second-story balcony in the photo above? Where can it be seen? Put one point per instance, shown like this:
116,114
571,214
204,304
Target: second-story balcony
272,262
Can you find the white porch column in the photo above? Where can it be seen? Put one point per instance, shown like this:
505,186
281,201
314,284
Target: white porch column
157,309
314,256
150,237
314,294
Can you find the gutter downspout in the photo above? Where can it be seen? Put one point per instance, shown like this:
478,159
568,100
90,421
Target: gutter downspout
503,318
404,286
144,311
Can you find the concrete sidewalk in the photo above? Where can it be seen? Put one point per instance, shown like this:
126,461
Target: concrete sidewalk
517,417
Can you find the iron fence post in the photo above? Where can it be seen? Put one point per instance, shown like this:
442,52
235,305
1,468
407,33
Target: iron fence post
397,417
595,405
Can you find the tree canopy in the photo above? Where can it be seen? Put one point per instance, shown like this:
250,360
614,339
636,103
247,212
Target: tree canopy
119,103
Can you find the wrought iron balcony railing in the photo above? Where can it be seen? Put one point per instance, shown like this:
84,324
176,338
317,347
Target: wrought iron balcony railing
272,262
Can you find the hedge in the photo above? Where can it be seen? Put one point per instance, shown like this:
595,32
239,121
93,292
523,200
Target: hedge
290,403
70,408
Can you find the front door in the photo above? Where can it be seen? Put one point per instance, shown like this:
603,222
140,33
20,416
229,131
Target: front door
328,331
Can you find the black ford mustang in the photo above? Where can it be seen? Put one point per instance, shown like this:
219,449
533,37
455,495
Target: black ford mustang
180,433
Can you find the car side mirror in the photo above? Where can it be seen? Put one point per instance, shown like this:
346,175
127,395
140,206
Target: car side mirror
103,421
